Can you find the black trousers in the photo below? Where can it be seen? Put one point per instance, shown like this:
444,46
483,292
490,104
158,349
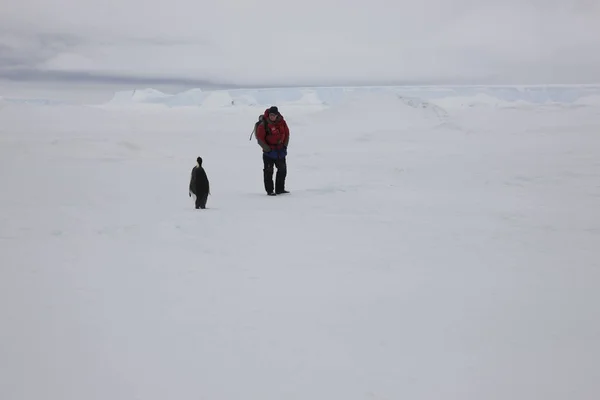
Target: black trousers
269,164
201,200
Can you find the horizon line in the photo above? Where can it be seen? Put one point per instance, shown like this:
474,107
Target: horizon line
104,79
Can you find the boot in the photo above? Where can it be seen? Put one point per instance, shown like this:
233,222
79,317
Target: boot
280,178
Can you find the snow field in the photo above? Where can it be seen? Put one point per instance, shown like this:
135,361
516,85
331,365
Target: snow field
425,252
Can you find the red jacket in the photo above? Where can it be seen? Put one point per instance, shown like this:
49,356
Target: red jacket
278,133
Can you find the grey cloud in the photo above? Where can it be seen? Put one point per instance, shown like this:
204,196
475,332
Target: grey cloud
33,75
9,58
21,54
384,41
28,50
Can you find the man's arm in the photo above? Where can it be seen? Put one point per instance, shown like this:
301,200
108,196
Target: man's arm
287,134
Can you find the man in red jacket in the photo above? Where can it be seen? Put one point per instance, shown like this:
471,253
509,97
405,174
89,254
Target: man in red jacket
273,135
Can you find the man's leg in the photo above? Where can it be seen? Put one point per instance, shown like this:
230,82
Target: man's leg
281,174
268,173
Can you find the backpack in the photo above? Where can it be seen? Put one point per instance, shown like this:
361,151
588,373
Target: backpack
263,120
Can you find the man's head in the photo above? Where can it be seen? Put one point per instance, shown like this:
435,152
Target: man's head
199,161
273,113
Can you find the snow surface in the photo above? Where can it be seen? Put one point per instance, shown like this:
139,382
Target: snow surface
425,252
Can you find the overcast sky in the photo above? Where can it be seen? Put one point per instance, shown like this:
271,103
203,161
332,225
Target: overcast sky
281,42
